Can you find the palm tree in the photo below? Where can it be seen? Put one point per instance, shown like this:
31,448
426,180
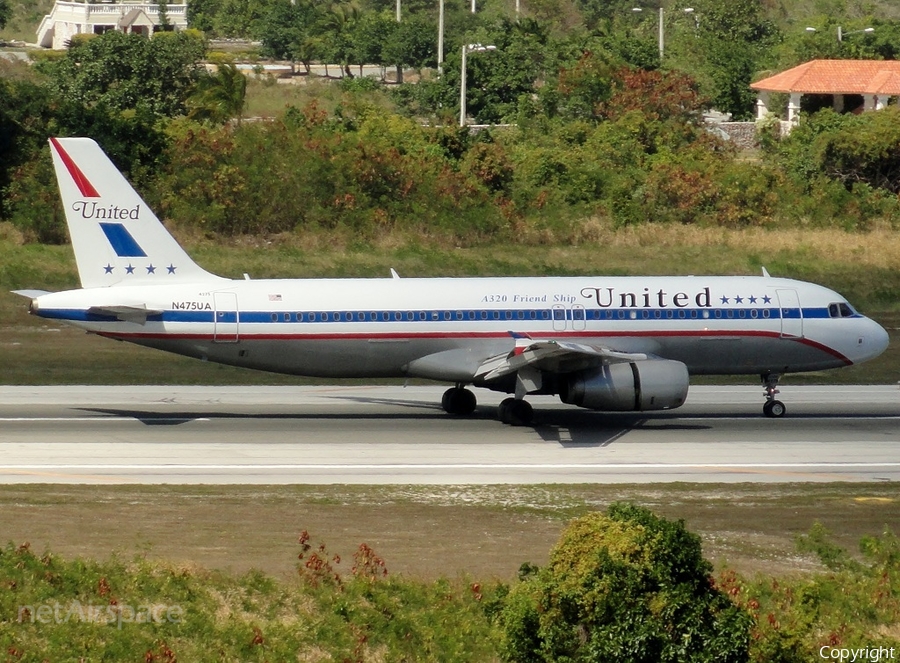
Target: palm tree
220,96
338,25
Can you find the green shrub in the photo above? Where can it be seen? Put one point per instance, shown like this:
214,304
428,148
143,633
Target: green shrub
624,586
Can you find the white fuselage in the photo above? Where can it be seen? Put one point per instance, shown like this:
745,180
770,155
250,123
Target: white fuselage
445,328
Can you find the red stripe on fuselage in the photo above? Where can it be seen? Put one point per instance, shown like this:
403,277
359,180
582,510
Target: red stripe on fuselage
84,186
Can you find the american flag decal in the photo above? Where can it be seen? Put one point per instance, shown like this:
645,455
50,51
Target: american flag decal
274,298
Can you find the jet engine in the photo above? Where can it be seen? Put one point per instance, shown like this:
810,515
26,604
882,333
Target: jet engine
653,384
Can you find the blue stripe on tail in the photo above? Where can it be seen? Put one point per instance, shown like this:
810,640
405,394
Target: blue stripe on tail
122,242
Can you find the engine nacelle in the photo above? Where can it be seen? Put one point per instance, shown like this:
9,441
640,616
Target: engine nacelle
653,384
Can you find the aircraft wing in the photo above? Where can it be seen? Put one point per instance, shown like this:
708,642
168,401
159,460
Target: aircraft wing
552,357
136,314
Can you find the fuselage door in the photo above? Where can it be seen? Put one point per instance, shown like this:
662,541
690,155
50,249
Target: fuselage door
225,322
791,314
559,317
579,317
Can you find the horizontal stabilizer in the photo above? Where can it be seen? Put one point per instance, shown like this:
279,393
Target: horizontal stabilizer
136,314
31,294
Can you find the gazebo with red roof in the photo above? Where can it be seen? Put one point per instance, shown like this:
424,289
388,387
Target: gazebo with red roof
875,80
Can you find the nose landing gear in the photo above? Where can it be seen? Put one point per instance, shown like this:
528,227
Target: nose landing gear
773,408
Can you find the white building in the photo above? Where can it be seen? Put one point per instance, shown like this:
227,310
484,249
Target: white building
74,18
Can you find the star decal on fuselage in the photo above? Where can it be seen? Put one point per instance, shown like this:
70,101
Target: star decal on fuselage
129,269
751,299
171,268
108,269
151,269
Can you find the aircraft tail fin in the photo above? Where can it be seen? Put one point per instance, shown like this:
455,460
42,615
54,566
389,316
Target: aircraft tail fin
117,239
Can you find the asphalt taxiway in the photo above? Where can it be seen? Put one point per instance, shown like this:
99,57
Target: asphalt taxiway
400,435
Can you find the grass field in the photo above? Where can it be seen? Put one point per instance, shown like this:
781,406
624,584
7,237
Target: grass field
865,267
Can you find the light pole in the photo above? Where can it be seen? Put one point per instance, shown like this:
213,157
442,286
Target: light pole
662,36
841,34
440,37
466,49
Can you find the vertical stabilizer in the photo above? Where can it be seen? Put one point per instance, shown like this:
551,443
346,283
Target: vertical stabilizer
117,239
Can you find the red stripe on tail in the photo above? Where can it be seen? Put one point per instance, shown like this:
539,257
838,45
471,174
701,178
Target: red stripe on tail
87,189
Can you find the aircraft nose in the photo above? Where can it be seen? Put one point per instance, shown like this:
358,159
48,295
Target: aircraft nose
873,340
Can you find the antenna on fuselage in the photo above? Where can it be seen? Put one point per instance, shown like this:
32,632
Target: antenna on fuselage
766,273
394,274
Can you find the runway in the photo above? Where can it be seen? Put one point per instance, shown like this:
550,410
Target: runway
397,435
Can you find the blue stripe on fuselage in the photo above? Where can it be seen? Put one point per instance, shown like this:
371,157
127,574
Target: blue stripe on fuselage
465,315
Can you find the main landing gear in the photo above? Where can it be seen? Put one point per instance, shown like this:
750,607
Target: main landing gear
773,408
515,412
459,401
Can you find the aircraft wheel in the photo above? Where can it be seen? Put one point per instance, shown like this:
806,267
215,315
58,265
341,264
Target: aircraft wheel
458,401
520,413
446,398
465,402
774,409
505,410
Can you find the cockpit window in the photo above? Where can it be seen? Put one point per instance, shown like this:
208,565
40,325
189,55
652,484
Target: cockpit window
840,310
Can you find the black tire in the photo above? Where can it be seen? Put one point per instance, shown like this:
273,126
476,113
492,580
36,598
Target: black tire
446,399
520,413
774,409
504,412
458,401
464,402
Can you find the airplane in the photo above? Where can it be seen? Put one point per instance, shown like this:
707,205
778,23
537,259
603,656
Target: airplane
599,342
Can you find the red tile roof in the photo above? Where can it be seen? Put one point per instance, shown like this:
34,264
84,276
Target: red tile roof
837,77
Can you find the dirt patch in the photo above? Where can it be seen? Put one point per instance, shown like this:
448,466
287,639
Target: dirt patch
482,531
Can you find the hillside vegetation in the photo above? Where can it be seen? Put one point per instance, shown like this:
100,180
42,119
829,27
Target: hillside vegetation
605,133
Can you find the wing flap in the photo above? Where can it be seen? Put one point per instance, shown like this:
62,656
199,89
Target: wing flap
552,357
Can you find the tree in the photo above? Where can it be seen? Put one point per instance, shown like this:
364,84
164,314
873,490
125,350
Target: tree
625,586
201,14
850,149
370,35
414,43
338,26
219,97
732,41
127,71
659,95
286,31
5,13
